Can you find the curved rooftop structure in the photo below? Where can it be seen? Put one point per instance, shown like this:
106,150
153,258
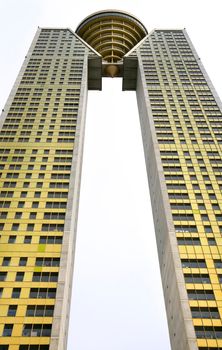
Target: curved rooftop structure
111,33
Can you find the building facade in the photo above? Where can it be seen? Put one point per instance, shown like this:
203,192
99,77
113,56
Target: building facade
41,146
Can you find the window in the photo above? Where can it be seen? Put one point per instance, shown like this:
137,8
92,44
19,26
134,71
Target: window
196,278
23,194
4,204
56,205
15,227
16,293
32,215
215,207
181,206
204,217
54,216
205,312
200,294
7,332
39,310
211,241
18,215
9,184
47,262
201,206
3,276
21,204
59,185
52,227
57,194
35,204
12,310
188,241
218,264
45,277
208,332
28,239
19,276
23,261
208,229
6,261
42,293
36,330
185,228
37,194
50,240
12,239
30,227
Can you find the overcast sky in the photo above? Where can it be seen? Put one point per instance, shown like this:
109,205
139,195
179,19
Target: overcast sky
117,297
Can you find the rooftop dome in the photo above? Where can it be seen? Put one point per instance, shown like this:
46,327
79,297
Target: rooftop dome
111,33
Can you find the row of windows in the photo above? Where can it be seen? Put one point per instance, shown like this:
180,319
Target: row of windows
190,217
35,293
208,332
37,276
205,312
199,263
195,241
44,227
29,330
27,347
23,194
13,184
53,277
32,215
26,139
199,294
42,167
42,239
39,261
18,215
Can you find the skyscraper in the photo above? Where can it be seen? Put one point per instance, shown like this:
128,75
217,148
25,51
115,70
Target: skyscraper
41,151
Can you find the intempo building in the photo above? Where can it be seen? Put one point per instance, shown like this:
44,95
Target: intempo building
41,144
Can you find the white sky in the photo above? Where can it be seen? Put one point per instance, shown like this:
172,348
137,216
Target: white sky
117,296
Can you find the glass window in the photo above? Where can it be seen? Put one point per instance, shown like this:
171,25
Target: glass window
211,241
12,239
3,276
19,276
16,293
7,332
23,261
6,261
28,239
12,310
200,294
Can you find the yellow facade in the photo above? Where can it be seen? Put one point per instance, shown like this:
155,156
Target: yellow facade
36,152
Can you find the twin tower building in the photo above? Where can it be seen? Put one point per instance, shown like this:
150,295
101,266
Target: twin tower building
41,146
